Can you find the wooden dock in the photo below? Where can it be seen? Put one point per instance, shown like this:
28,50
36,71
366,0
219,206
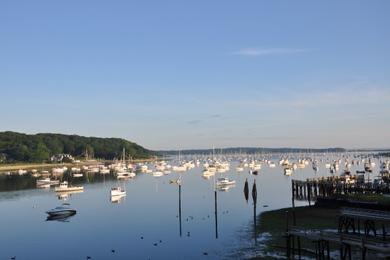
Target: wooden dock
348,237
345,242
330,186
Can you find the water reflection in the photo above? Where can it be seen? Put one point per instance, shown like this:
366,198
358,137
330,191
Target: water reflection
61,218
216,213
117,199
66,195
246,190
226,187
43,186
254,197
149,215
180,227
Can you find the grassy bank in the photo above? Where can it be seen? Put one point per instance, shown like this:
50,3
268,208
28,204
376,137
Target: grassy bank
368,198
272,224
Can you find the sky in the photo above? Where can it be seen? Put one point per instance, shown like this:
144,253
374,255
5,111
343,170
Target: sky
180,74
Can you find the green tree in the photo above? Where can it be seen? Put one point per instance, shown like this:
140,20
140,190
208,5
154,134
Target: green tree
41,153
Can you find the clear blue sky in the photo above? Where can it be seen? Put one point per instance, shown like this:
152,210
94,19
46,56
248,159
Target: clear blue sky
193,74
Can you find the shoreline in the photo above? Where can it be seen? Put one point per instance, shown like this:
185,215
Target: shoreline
29,166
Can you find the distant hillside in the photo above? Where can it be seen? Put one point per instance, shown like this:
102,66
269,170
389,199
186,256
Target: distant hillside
253,150
17,147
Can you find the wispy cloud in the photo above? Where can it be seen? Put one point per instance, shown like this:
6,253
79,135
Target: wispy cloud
216,116
210,117
268,51
194,122
340,97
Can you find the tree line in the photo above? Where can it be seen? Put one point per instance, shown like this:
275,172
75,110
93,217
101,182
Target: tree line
18,147
253,150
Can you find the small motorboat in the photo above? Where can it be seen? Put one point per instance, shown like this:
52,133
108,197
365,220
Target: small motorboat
125,175
65,187
61,211
117,191
288,171
239,169
208,174
157,174
225,182
175,181
104,171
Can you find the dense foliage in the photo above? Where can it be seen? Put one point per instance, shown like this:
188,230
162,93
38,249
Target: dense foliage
17,147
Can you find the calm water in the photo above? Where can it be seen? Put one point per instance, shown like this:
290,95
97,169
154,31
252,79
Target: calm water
149,211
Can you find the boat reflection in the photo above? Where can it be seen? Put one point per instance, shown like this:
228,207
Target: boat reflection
226,188
117,199
43,186
67,195
61,218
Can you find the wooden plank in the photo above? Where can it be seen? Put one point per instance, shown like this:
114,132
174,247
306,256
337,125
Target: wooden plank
353,240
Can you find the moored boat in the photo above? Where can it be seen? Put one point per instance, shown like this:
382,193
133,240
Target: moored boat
157,174
225,181
117,191
63,210
288,171
65,187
